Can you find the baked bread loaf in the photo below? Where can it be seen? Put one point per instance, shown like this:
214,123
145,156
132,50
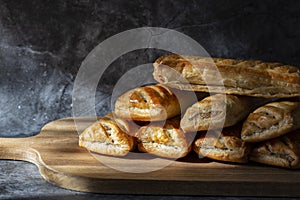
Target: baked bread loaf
271,120
165,140
218,111
241,77
153,103
106,137
282,152
224,146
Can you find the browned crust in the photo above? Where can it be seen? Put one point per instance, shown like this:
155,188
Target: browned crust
166,140
282,152
218,111
224,146
106,137
271,120
152,103
277,71
243,77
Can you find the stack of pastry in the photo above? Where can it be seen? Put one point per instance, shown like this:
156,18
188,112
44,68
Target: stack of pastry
236,117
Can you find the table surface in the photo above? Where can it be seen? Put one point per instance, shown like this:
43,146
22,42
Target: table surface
21,180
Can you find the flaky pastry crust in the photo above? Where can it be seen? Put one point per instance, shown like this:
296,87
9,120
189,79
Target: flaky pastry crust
283,151
225,145
271,120
106,137
241,77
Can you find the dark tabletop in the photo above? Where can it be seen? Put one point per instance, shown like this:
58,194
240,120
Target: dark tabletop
21,180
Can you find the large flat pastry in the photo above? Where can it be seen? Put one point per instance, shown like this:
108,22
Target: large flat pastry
165,140
271,120
218,111
242,77
225,145
153,103
106,137
282,152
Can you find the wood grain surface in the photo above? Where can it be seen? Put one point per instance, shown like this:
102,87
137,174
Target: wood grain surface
56,153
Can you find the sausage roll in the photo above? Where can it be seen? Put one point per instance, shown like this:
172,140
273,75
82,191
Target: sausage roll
225,145
241,77
283,151
165,140
153,103
106,137
218,111
271,120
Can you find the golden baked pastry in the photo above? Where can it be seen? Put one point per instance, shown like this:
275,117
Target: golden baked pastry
165,140
271,120
224,146
282,152
106,137
153,103
218,111
242,77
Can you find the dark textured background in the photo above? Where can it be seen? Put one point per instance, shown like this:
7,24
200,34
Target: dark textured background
42,44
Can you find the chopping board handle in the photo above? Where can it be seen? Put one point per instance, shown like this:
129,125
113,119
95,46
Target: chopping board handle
18,149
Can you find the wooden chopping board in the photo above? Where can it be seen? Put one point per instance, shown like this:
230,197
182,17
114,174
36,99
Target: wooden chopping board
60,161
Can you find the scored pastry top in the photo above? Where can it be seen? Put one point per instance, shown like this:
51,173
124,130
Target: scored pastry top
152,103
230,76
106,137
282,151
225,145
166,140
256,67
271,120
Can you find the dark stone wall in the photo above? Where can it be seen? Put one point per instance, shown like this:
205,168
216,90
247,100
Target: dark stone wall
42,45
